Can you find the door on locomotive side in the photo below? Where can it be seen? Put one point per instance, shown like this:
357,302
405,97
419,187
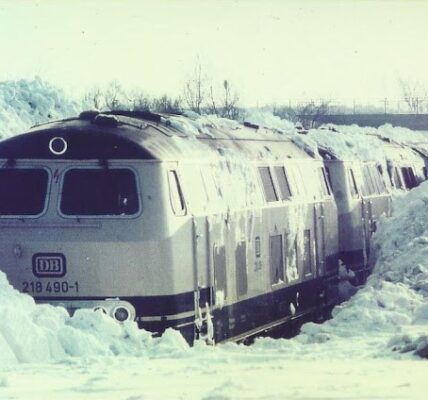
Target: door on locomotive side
320,221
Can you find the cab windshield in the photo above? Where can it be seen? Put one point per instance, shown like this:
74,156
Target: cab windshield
99,192
22,191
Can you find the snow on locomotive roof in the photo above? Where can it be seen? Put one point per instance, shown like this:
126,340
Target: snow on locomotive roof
364,144
143,135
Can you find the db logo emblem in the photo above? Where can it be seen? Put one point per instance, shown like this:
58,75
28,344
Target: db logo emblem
50,265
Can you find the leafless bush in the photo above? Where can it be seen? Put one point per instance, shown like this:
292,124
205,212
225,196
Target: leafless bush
195,89
201,96
310,113
165,104
115,96
94,98
415,95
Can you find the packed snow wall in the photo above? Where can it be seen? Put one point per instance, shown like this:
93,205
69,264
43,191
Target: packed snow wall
25,103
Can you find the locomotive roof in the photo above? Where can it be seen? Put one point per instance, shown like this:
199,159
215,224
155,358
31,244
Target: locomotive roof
142,135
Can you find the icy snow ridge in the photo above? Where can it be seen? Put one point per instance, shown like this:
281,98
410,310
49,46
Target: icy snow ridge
37,333
389,315
25,103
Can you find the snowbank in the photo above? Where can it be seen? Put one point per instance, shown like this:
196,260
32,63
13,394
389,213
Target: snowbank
25,103
389,316
38,333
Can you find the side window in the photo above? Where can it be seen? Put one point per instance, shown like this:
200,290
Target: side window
307,253
220,270
409,177
268,187
413,177
381,182
368,182
284,185
324,182
374,173
241,269
396,178
176,194
276,259
327,175
352,183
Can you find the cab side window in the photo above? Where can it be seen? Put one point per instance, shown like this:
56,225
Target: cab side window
176,194
268,186
352,183
284,185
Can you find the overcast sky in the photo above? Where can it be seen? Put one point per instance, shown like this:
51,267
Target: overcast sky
271,51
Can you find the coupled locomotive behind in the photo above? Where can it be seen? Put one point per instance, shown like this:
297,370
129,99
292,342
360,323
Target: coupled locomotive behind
220,233
362,188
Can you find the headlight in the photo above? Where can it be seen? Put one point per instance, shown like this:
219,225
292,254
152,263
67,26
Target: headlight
121,314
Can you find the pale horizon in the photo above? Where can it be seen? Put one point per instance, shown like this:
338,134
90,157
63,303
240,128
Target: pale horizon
271,52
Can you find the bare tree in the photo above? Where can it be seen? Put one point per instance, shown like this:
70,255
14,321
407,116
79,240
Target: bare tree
94,98
212,107
230,100
285,112
414,94
194,91
115,96
226,104
140,101
309,114
165,104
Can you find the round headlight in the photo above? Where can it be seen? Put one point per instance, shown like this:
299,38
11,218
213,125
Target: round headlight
121,314
58,146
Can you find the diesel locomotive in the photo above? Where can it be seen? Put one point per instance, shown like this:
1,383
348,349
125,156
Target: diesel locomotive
220,232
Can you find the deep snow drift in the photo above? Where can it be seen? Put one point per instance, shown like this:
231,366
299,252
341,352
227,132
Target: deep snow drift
25,103
35,333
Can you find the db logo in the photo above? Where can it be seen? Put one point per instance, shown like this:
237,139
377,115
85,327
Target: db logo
50,265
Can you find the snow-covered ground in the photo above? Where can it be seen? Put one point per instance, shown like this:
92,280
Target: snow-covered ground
376,346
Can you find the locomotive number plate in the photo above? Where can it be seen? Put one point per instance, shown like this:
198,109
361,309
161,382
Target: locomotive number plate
37,287
49,265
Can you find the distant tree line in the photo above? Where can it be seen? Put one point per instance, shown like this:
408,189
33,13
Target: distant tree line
203,95
199,94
